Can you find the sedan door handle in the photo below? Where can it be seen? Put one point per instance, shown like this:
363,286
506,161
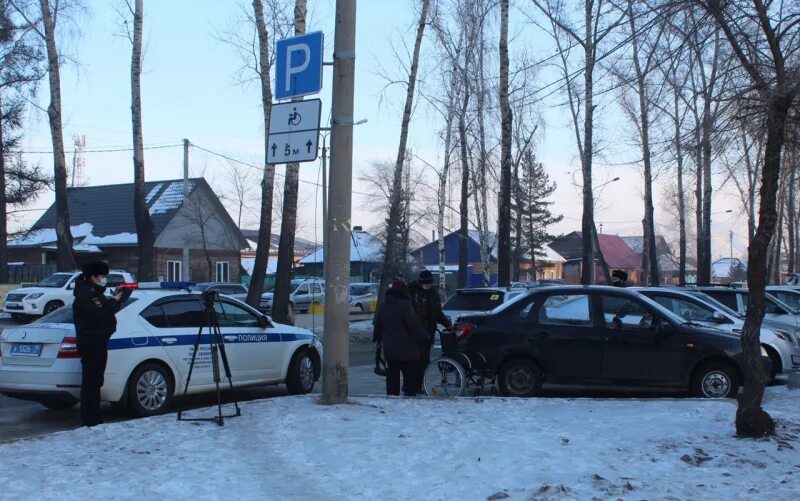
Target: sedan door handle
169,340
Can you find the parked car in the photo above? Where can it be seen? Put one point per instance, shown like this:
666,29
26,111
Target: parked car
363,296
737,299
790,295
50,294
781,344
601,335
302,294
150,353
234,290
478,300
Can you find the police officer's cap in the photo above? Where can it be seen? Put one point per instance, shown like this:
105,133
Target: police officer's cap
95,268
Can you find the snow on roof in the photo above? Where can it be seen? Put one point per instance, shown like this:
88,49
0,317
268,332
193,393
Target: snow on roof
721,268
552,256
170,199
153,192
41,237
248,263
118,239
363,248
491,240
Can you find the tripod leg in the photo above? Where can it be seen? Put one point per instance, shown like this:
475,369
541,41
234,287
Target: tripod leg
215,368
227,367
191,364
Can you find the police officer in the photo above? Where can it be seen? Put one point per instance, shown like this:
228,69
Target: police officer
95,322
428,308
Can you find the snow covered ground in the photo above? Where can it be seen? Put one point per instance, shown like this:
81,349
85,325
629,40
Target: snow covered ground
383,448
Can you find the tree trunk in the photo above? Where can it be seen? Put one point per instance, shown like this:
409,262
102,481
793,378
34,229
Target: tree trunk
448,141
395,209
775,276
463,209
504,222
291,186
751,419
650,254
681,196
268,181
65,260
517,259
3,201
703,278
144,224
587,222
791,216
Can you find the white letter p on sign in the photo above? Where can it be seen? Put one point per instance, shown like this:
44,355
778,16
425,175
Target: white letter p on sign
290,70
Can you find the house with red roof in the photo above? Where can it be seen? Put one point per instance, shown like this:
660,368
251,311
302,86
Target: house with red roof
613,250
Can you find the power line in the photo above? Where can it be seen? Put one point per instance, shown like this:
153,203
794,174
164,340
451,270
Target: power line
107,150
231,159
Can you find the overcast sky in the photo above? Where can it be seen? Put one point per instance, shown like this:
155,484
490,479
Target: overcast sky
190,90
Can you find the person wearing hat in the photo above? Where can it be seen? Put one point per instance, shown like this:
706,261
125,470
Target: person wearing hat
428,308
619,278
95,322
396,327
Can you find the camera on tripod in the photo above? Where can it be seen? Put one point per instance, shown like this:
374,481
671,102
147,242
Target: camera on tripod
209,298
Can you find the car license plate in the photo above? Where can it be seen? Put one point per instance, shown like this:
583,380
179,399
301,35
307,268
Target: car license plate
14,307
26,350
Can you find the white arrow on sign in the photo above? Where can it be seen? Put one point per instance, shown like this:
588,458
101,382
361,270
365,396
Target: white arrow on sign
292,147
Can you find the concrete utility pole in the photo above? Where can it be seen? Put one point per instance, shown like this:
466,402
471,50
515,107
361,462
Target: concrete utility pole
335,361
185,273
324,203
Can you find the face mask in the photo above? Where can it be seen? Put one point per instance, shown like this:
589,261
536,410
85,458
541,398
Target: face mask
103,281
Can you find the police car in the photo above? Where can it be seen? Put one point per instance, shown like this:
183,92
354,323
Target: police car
150,353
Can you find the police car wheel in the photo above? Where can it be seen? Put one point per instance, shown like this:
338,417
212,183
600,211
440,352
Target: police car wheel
300,379
150,389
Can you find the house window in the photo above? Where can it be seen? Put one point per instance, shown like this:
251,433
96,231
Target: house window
173,271
223,274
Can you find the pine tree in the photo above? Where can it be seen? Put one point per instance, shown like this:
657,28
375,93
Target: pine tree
532,206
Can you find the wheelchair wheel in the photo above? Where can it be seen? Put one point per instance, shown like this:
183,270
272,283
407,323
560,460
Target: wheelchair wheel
444,377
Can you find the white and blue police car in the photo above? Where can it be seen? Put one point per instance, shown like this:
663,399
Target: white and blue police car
150,353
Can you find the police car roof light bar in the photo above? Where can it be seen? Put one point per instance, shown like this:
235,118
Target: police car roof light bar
158,285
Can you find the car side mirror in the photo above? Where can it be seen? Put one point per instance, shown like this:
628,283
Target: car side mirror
718,318
264,322
665,329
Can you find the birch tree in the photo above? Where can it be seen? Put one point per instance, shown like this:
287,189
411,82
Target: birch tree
506,119
291,186
388,271
764,38
144,224
600,19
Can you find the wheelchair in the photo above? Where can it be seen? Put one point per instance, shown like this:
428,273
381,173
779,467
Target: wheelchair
457,372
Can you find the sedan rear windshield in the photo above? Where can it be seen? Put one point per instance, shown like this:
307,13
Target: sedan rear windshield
64,315
474,301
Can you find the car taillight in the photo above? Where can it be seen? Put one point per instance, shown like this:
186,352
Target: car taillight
464,330
69,348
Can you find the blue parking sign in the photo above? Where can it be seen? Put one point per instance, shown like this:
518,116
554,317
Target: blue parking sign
298,65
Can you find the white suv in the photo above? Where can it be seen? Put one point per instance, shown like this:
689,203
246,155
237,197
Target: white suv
50,294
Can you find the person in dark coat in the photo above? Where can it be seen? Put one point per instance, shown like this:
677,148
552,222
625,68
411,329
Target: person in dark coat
397,328
95,322
619,278
428,308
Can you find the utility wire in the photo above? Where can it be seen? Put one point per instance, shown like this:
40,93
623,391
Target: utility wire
108,150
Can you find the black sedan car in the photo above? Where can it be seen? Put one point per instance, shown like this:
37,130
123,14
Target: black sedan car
600,335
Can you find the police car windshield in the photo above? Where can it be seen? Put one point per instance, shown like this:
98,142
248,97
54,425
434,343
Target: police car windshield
57,280
64,315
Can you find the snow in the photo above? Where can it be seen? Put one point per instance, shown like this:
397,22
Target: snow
721,268
552,256
398,448
48,235
363,248
491,241
248,263
116,239
170,199
153,192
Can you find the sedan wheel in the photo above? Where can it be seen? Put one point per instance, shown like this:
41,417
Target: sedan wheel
149,390
715,380
520,378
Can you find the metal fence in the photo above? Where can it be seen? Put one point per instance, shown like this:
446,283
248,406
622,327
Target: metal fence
29,273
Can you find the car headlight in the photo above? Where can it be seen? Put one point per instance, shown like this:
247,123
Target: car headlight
31,297
783,335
